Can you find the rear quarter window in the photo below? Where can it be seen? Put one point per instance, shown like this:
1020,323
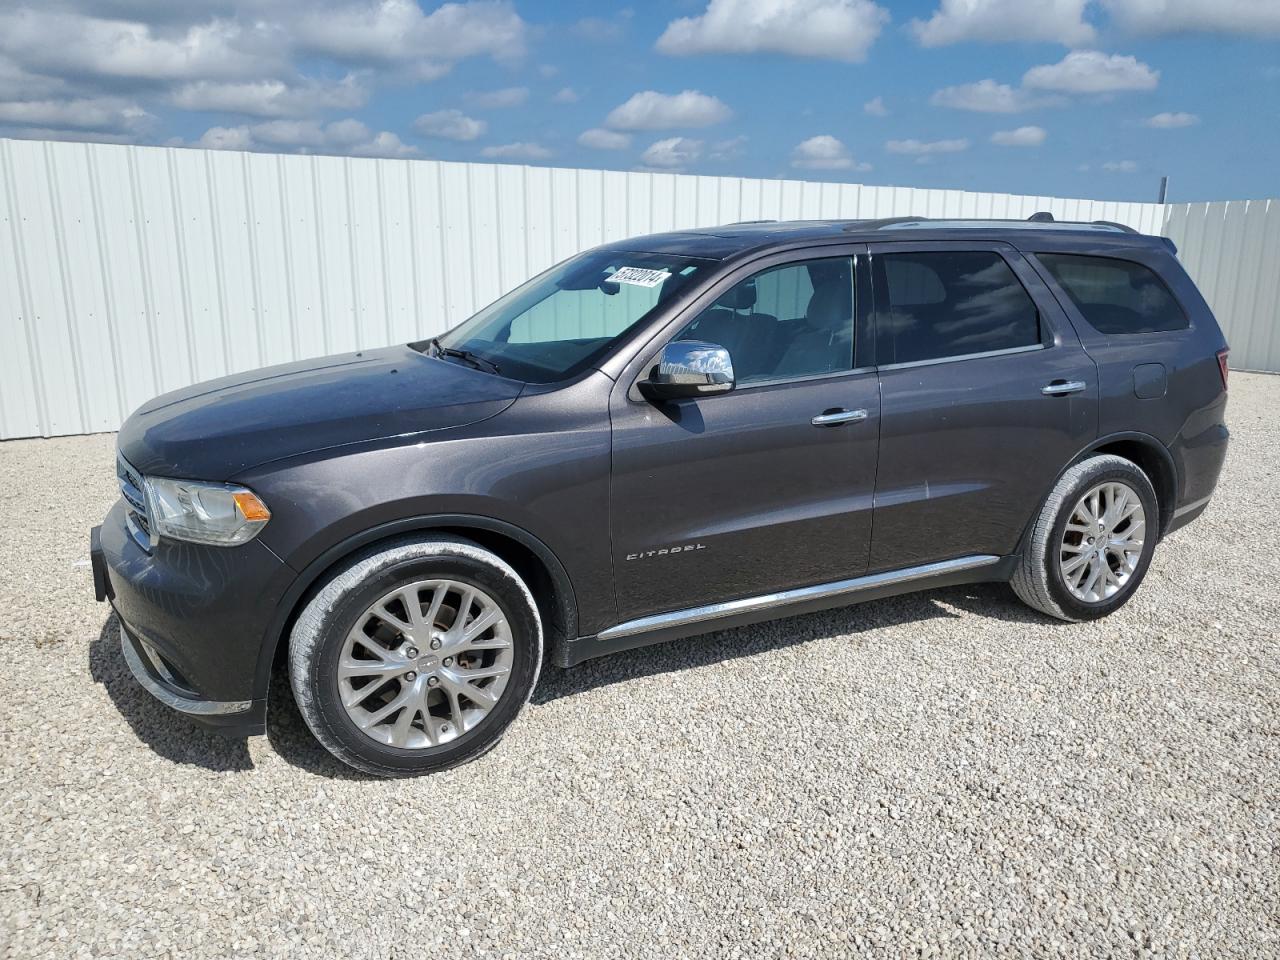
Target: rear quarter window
1116,296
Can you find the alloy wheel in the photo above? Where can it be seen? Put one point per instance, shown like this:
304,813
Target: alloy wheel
1102,543
425,664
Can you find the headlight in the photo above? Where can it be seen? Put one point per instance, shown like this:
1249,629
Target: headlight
214,513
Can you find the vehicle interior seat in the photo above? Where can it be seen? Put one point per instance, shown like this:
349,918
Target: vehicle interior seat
748,336
823,341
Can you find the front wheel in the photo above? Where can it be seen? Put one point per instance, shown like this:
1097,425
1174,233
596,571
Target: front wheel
416,656
1092,541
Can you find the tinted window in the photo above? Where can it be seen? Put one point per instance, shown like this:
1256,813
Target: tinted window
1116,296
790,321
931,305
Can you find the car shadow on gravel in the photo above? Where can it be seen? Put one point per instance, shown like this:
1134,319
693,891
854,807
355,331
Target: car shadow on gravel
292,741
169,734
183,741
993,600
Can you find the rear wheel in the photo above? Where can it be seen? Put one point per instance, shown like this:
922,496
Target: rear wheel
1092,542
416,656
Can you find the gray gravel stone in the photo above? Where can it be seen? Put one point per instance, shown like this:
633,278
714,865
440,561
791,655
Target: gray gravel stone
947,774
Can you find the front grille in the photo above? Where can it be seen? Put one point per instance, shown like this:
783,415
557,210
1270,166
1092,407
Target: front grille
132,491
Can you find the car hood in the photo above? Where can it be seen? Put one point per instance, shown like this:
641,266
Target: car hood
217,429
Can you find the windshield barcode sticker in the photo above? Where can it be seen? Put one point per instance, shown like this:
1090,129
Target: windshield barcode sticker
639,276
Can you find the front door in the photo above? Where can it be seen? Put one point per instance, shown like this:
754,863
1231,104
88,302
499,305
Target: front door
743,493
987,395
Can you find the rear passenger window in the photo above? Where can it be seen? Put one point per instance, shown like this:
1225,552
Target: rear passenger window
931,305
1116,296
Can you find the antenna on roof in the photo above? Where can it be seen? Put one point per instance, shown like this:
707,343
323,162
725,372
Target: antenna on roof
1043,216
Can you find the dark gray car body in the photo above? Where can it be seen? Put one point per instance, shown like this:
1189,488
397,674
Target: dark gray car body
625,515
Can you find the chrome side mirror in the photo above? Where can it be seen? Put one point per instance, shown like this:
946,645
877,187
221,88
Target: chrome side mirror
689,368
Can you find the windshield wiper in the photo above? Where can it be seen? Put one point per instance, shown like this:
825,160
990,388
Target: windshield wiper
466,356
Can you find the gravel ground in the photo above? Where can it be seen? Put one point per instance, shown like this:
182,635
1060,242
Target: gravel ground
941,774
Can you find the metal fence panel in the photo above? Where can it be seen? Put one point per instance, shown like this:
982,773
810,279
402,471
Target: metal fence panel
128,271
1232,251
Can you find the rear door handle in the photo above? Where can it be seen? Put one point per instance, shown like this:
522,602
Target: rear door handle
832,417
1060,388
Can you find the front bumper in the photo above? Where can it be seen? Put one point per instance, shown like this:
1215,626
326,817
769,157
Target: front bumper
194,621
232,717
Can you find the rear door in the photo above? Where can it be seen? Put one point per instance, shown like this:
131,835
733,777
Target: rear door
753,491
986,394
1154,366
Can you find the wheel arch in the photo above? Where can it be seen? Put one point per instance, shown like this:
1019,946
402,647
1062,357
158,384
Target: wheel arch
532,559
1150,455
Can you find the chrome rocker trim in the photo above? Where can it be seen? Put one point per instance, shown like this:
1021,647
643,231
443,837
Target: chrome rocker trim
1186,508
728,608
166,694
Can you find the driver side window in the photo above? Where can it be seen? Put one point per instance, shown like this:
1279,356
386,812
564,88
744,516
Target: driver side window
785,322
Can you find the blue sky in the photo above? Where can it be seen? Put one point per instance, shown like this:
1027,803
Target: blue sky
1093,98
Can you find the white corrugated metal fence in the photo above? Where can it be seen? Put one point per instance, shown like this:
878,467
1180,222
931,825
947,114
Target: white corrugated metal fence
1232,251
129,271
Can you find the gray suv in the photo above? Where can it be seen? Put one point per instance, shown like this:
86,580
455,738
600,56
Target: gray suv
658,438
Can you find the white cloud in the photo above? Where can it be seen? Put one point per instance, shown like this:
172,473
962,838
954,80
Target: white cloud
651,110
987,96
291,133
1120,166
398,32
226,138
349,130
920,148
1021,137
516,151
449,125
830,29
601,30
498,99
727,149
1247,17
875,107
1167,121
823,152
1091,71
385,144
63,43
272,98
566,95
76,136
18,84
97,113
1053,21
348,136
598,139
672,153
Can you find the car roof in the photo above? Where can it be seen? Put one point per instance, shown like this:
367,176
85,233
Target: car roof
733,240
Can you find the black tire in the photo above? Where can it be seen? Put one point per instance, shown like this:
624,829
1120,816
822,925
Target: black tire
315,646
1038,580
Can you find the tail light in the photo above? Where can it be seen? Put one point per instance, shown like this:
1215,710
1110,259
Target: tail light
1222,366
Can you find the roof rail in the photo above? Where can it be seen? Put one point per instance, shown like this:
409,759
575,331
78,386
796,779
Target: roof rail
1040,221
743,223
860,225
1119,226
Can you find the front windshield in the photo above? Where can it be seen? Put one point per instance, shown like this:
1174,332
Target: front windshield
561,321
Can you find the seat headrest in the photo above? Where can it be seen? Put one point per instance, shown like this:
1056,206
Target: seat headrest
741,297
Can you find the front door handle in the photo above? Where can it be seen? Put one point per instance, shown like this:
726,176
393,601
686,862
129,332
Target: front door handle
832,417
1060,388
